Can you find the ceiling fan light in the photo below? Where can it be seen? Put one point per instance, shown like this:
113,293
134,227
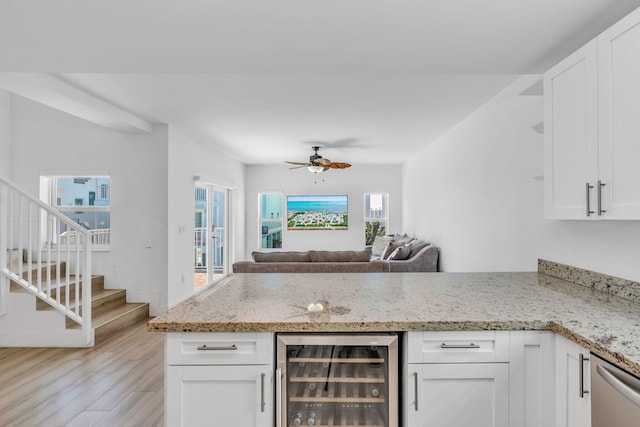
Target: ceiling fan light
315,168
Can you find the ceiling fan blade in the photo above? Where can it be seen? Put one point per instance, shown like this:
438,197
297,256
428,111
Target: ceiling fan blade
297,163
339,165
298,167
322,161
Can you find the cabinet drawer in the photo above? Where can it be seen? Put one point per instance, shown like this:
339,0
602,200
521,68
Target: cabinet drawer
224,348
458,347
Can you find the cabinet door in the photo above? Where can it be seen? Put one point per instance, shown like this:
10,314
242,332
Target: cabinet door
619,103
571,135
573,385
457,395
531,379
219,395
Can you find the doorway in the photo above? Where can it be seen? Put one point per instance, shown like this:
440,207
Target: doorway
210,234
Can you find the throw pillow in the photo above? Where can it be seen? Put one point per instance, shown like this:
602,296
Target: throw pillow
401,253
379,245
416,246
404,240
388,250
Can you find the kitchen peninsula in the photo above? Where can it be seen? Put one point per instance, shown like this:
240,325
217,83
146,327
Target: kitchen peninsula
607,325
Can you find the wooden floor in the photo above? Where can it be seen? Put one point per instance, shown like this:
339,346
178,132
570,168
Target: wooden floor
119,382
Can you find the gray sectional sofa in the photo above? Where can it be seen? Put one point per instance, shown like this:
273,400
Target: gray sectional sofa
417,257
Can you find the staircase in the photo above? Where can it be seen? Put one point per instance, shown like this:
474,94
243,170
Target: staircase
36,260
110,311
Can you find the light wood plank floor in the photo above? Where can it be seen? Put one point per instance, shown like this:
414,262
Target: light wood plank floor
119,382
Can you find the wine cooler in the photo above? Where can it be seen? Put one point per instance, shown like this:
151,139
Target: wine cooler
337,380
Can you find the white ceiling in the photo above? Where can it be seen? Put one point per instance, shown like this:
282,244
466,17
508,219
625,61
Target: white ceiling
266,78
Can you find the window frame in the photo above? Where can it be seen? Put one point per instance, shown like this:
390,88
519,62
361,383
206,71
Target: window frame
261,221
367,217
49,195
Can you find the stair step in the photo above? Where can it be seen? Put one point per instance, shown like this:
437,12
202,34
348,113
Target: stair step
101,300
117,319
97,287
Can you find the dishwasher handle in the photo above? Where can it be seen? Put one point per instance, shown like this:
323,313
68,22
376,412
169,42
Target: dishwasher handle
627,390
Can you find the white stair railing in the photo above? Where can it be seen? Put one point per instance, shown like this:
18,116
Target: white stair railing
33,255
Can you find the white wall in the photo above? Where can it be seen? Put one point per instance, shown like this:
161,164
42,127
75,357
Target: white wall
191,156
353,182
5,134
472,192
44,139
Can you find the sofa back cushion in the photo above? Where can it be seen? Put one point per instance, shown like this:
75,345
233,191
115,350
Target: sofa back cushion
340,256
281,256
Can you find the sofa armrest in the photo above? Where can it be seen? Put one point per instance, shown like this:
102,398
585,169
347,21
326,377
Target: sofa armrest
424,261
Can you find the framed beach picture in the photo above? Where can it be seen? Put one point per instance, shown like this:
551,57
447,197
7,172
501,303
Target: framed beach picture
317,213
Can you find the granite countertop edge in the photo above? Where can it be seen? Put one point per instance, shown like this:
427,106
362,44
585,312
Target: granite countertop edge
318,325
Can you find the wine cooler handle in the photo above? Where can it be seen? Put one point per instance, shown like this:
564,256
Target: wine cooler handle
279,397
415,389
262,375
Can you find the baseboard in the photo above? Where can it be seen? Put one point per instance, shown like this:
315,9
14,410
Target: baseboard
70,338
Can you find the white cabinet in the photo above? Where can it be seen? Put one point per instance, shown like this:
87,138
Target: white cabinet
571,134
592,129
219,379
573,385
531,379
457,379
619,103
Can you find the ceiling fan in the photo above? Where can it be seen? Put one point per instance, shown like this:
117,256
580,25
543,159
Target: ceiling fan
317,163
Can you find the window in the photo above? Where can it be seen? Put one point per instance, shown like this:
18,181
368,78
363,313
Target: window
271,220
86,201
376,216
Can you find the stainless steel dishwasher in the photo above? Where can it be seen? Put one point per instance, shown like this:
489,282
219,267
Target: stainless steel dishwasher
615,398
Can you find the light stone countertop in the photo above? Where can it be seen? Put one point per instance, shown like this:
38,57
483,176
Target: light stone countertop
607,325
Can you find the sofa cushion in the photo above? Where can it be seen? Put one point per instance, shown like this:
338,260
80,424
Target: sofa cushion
389,249
340,256
417,246
403,240
281,256
379,244
401,252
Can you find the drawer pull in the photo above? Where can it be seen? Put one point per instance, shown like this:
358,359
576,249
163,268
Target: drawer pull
470,345
222,347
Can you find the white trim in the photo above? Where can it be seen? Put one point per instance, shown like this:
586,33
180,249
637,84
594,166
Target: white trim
67,338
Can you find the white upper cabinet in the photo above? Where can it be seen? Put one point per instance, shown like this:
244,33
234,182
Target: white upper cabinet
619,115
592,128
571,134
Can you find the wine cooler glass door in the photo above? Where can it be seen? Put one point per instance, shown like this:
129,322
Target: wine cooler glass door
338,380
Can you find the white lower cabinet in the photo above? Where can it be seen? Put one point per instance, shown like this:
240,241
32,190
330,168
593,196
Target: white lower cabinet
219,379
457,379
573,384
220,395
458,394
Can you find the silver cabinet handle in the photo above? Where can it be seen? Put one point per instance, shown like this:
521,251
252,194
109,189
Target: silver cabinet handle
262,375
627,390
470,345
581,377
279,397
415,389
589,211
218,348
600,210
